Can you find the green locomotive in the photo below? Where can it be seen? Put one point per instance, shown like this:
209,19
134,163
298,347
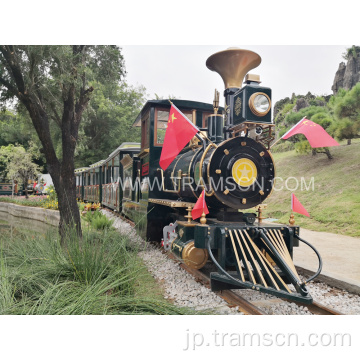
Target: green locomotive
231,160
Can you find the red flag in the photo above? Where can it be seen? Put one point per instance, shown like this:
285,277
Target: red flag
200,207
297,206
315,134
180,130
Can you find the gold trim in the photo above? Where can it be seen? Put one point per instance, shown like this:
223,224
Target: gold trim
257,250
226,191
226,151
252,78
143,153
172,203
252,106
194,257
186,224
163,183
218,171
172,173
237,256
201,166
247,263
252,258
190,164
189,216
203,219
273,183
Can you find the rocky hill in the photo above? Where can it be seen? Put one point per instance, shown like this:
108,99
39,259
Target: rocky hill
348,74
346,77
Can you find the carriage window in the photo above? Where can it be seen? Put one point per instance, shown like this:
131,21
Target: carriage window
97,176
161,120
116,173
127,181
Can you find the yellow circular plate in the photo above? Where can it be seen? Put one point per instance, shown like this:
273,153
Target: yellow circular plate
244,172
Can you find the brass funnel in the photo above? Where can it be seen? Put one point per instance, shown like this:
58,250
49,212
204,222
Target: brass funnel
233,64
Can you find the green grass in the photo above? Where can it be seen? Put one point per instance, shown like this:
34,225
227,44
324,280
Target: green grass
101,274
334,205
20,200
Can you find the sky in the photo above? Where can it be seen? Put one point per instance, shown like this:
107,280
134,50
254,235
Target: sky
180,70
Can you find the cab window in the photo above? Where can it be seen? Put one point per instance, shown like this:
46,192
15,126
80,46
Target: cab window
161,121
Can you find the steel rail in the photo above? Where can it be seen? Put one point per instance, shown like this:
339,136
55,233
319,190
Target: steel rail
246,306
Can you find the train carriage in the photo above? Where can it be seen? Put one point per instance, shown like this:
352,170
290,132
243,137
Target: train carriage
80,180
9,188
113,175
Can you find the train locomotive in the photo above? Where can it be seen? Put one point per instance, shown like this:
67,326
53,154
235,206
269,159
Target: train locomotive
230,159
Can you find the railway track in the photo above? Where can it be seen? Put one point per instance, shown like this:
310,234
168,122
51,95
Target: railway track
235,300
245,306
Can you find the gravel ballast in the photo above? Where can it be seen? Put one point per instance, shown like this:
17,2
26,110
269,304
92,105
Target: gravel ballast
181,288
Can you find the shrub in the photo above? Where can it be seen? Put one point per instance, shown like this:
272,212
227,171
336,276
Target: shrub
98,220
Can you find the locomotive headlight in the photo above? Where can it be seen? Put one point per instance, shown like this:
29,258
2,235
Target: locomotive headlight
260,104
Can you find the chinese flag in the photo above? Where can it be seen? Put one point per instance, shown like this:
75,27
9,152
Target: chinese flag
200,207
315,134
297,206
180,130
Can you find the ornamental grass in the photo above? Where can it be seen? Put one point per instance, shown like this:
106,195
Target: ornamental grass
101,274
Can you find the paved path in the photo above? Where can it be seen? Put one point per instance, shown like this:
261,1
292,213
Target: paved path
340,254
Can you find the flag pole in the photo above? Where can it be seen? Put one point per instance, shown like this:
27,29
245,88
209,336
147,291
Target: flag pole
287,132
292,219
275,142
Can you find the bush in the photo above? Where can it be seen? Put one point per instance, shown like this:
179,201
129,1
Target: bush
98,220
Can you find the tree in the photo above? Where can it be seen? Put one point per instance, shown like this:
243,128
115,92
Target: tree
347,113
107,122
317,114
15,128
19,164
53,84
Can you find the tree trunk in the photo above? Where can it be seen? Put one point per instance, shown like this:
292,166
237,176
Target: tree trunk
70,223
328,154
349,141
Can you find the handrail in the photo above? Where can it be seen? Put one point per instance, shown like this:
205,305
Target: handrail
163,182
